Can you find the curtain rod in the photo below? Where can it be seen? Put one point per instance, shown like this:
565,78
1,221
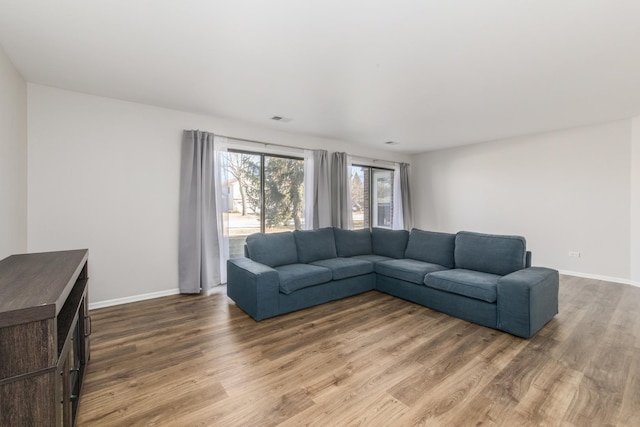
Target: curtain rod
267,144
374,160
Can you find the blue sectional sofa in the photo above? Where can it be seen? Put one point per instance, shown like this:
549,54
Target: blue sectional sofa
486,279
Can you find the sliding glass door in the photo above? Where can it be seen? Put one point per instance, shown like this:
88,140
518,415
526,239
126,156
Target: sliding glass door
371,197
265,193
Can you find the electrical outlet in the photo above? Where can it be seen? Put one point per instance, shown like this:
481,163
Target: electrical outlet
574,254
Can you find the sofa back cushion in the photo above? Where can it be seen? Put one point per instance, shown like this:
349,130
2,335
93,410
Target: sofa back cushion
314,245
390,243
490,253
352,242
272,249
431,247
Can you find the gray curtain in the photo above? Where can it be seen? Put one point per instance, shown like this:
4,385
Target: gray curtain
322,190
340,203
405,195
199,251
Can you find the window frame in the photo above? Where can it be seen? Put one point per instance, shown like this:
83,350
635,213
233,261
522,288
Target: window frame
370,186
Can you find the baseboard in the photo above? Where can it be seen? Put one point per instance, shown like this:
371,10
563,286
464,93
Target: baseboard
134,298
603,278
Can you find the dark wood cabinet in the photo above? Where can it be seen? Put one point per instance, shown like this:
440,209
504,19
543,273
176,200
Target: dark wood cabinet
44,337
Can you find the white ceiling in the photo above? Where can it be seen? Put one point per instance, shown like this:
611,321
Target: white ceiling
427,74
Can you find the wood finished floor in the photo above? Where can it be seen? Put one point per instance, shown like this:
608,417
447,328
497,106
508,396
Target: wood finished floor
369,360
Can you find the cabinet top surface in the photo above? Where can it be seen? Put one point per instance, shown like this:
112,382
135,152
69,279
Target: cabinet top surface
35,286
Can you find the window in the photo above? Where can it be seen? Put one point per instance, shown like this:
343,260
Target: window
371,197
265,193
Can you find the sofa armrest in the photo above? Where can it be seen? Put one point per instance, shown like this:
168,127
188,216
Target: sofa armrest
527,300
253,286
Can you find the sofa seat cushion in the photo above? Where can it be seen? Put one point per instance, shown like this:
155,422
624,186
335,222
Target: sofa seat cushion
342,268
409,270
298,276
472,284
371,258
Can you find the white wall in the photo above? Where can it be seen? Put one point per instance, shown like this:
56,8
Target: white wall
104,175
564,191
635,201
13,159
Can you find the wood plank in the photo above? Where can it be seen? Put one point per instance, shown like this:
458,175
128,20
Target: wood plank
536,407
371,359
629,414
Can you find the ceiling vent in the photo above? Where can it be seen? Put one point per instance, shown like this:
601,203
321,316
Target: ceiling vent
281,119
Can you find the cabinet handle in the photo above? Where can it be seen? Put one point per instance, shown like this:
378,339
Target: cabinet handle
87,322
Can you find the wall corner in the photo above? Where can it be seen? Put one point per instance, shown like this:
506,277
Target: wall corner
634,226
